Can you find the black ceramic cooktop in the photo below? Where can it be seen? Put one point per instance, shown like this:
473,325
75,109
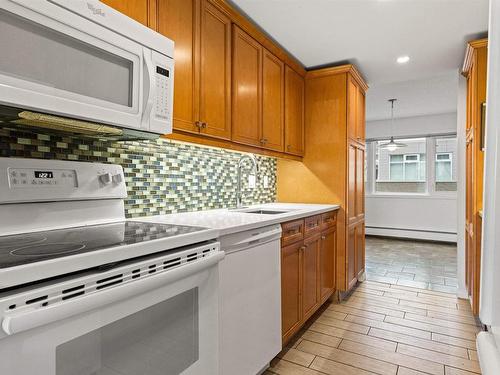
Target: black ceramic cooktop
20,249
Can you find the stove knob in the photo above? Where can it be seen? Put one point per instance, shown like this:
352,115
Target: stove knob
105,178
117,178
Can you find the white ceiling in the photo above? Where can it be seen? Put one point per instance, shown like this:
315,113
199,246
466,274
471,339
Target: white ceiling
373,33
428,96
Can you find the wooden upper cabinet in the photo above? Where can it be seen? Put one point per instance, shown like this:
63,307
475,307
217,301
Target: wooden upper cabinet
215,72
178,20
143,11
246,90
361,117
273,91
355,111
294,112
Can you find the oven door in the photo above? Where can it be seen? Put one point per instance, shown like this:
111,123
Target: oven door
172,329
56,61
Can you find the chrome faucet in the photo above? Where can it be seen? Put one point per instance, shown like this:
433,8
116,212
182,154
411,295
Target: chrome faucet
255,169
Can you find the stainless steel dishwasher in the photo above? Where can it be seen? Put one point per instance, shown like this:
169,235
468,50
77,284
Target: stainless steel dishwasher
250,308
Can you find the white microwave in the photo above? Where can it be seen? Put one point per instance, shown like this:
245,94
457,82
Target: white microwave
83,60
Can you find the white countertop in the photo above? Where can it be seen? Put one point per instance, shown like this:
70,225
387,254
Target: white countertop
228,221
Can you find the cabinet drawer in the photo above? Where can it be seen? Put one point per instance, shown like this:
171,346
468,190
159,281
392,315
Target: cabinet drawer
312,225
292,231
328,220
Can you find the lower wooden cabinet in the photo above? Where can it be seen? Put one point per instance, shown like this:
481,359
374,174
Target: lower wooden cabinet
291,293
310,275
327,263
308,257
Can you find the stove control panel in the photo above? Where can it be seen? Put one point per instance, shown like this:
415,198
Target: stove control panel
20,178
35,180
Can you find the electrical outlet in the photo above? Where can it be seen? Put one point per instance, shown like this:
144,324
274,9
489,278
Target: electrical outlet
251,181
266,182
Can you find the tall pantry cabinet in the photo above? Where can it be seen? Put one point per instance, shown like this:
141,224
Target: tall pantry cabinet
474,69
334,162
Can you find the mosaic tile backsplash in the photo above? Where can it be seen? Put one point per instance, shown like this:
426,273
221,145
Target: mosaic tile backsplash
162,176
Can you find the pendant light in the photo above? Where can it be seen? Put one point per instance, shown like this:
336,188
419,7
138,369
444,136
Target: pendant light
392,145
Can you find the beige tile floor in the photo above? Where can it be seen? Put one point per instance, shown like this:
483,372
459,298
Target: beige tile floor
402,321
384,329
424,265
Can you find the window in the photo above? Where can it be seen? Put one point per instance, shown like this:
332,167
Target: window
445,165
423,166
407,167
402,170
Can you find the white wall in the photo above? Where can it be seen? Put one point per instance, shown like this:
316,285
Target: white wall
432,216
461,120
413,126
489,303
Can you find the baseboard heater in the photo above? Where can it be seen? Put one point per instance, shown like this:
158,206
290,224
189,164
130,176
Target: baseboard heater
411,230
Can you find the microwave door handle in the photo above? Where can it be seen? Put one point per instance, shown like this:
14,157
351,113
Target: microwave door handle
149,87
32,318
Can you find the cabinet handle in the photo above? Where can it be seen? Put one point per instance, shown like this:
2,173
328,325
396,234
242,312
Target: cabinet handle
204,125
263,141
302,248
323,237
289,147
197,124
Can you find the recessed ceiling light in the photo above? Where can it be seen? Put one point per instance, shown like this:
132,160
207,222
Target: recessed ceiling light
403,59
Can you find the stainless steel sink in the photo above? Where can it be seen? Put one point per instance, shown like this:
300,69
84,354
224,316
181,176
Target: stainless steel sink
264,212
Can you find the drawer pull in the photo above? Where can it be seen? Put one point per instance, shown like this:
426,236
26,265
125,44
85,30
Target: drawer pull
292,231
313,225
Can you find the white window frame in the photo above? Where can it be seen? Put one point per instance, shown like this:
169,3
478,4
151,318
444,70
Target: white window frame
371,181
449,160
405,162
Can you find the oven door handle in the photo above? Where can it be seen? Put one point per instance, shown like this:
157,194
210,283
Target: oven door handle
36,317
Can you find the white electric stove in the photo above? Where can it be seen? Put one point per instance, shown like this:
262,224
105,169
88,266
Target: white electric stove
85,291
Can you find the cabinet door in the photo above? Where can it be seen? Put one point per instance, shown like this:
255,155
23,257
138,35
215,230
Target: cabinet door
360,248
215,72
360,116
142,11
360,184
327,263
351,256
352,112
178,20
351,183
294,112
291,303
273,91
310,275
246,90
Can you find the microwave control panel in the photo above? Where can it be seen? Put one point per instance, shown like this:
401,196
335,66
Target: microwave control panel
163,82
